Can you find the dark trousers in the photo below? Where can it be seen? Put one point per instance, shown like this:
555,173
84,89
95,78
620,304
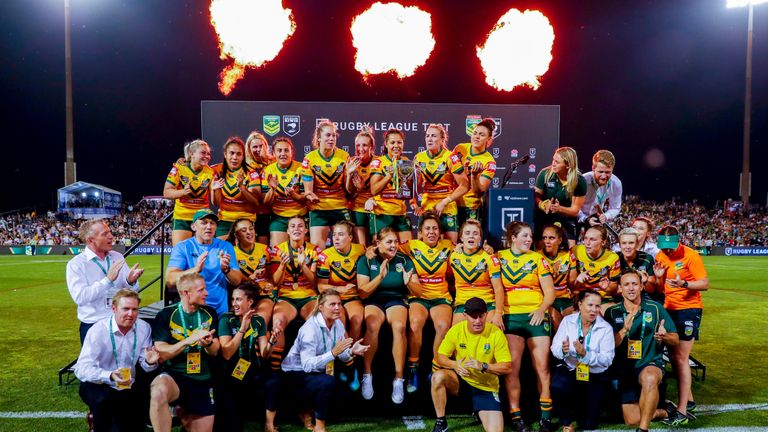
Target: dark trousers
316,388
112,408
235,401
84,327
577,400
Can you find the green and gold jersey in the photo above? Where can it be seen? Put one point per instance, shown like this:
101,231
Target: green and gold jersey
327,176
253,260
200,185
520,275
387,201
467,157
304,288
473,274
607,265
173,325
282,203
233,205
340,269
436,178
560,265
431,265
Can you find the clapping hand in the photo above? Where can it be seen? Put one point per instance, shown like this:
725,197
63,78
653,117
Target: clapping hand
579,347
659,269
134,274
200,263
359,349
460,369
566,346
224,261
114,270
341,346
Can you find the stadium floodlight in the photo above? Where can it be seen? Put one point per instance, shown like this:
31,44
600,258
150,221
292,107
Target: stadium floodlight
742,3
746,177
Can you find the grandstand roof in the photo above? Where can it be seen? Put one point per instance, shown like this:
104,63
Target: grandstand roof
81,186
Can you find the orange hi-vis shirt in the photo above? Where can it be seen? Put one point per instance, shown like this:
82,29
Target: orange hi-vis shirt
233,205
688,264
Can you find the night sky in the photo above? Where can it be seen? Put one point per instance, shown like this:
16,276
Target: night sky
630,76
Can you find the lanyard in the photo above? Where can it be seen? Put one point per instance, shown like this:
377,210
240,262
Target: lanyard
103,270
589,336
250,341
642,329
601,198
184,324
114,347
325,347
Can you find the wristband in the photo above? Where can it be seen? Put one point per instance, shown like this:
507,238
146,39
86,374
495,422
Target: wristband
685,284
485,367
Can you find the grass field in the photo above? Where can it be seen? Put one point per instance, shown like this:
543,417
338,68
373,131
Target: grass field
40,325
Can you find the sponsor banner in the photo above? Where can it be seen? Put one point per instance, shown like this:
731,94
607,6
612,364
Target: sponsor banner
532,130
741,251
151,250
505,206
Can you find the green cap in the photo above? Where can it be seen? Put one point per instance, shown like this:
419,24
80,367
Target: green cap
204,213
669,241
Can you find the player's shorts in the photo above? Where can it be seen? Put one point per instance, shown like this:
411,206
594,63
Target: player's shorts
519,324
687,322
351,299
385,303
562,303
328,217
466,213
361,219
297,303
429,303
223,227
457,309
182,225
278,223
195,396
482,400
398,223
262,224
630,384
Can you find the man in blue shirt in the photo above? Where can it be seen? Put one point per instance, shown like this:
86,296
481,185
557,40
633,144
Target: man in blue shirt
209,256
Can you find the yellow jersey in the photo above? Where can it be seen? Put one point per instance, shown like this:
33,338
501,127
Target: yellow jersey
436,177
233,204
358,203
431,265
473,274
340,269
464,151
282,204
488,346
293,273
200,183
520,275
328,178
387,202
560,265
253,260
258,167
607,265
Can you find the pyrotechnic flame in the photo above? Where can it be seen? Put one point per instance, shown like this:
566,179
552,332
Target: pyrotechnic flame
251,32
518,50
389,37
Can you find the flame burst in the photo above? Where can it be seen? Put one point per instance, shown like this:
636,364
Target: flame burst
251,32
389,37
518,50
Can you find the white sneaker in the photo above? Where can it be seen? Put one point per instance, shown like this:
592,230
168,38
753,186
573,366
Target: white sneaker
366,386
397,391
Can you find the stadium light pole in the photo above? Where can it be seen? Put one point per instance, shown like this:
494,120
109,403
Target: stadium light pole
69,165
746,180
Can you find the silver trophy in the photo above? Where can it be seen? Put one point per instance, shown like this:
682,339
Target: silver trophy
405,173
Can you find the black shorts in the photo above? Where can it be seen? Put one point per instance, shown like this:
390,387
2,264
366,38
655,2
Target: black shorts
385,303
687,322
482,400
195,396
630,384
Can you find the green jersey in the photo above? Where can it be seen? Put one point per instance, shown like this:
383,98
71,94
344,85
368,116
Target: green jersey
644,327
173,325
392,286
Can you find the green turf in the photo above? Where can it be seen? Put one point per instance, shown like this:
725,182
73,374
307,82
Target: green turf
41,336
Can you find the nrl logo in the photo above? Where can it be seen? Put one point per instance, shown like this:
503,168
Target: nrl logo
271,124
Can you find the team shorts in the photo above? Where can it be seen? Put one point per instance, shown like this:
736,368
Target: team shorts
351,299
457,309
385,303
361,219
398,223
297,303
687,322
182,225
195,396
223,227
262,224
278,223
328,217
519,324
466,213
630,384
562,303
482,400
429,303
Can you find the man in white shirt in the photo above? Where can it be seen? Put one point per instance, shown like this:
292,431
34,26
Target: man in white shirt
309,364
96,274
107,366
604,191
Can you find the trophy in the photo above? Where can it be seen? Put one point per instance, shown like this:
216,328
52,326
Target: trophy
404,172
